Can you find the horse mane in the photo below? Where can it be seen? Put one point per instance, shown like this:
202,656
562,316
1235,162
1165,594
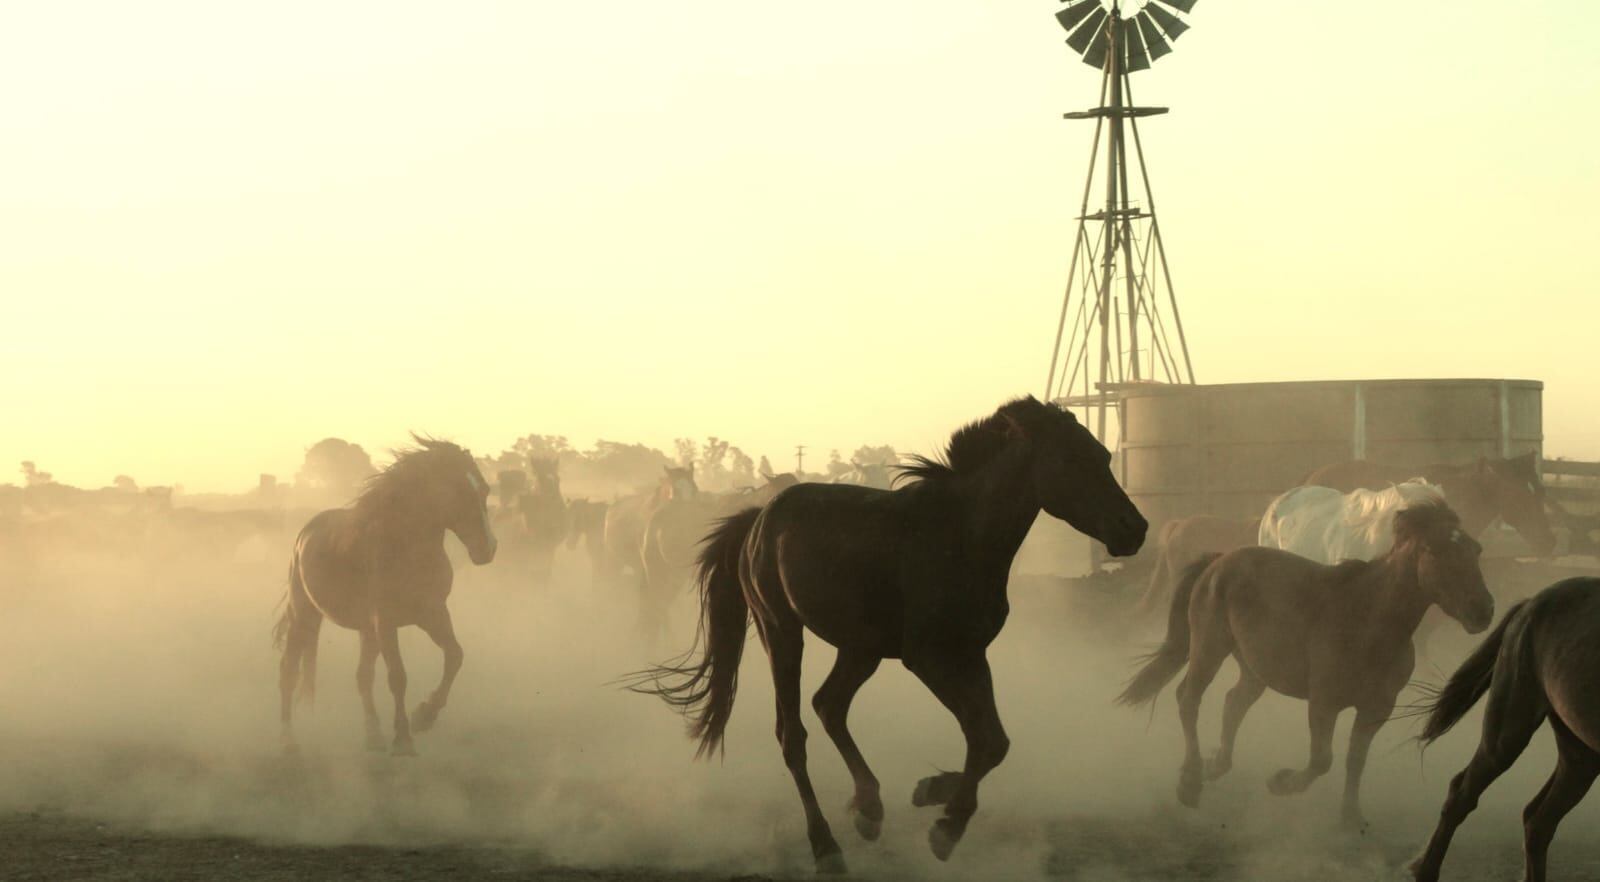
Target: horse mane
1418,516
977,443
409,463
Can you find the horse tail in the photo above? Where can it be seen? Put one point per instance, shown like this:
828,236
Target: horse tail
703,690
283,631
1165,663
1467,684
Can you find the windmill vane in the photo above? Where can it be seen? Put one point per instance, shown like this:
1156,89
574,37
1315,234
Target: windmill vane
1093,29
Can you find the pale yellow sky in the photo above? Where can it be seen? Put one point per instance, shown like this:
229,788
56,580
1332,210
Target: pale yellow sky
230,230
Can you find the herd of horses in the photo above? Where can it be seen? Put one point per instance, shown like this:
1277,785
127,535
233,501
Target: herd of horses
919,573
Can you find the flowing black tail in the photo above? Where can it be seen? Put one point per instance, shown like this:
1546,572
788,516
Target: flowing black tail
1467,684
703,690
283,632
1165,663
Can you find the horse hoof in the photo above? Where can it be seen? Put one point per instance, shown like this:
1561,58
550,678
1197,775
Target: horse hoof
1353,822
831,864
375,742
423,718
1189,788
942,838
1284,782
869,828
1216,767
936,789
403,748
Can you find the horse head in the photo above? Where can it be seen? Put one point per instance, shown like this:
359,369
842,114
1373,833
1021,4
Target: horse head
1446,559
1515,492
546,475
678,483
461,495
1072,475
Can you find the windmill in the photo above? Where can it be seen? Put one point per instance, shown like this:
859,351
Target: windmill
1119,301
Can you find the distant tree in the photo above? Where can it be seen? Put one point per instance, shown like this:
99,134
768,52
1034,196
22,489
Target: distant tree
125,484
32,477
687,451
542,447
335,466
631,465
869,455
741,468
765,468
837,467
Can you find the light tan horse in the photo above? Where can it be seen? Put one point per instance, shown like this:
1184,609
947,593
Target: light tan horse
1336,636
1541,663
379,565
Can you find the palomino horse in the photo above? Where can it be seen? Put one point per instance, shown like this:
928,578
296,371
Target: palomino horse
1336,636
918,574
379,565
627,518
1540,663
1184,541
544,514
1327,526
587,523
1509,489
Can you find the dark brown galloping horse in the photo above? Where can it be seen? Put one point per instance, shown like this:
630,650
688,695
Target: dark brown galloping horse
917,574
544,515
378,565
1336,636
1541,663
1509,489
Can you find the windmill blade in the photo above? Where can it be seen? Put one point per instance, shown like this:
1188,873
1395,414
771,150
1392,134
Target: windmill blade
1079,39
1170,23
1154,43
1185,5
1071,15
1133,47
1095,55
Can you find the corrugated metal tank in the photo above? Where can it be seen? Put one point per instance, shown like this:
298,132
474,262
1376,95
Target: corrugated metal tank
1229,449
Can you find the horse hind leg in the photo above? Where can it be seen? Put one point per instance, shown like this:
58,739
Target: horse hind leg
832,704
1575,771
1210,646
1516,708
366,673
389,649
1235,705
785,644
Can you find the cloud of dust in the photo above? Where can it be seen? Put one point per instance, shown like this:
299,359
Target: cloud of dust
141,689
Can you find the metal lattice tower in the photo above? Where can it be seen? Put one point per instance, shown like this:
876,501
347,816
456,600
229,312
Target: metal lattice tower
1119,301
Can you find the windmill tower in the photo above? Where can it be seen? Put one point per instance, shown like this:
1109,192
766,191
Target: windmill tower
1119,317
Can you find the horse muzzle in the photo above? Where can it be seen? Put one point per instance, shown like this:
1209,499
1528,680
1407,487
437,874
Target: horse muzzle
1125,536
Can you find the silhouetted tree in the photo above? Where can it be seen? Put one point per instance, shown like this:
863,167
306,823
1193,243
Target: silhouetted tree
335,466
32,477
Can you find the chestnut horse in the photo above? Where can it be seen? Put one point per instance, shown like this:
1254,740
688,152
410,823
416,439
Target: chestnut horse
917,573
378,565
1335,636
1509,489
1185,540
1539,664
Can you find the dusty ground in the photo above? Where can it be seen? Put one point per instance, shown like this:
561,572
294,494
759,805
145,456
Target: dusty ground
138,741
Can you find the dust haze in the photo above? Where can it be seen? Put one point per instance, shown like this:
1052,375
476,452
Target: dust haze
140,693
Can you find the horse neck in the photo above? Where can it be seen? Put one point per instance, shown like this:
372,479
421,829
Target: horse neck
398,521
1471,495
999,504
1398,599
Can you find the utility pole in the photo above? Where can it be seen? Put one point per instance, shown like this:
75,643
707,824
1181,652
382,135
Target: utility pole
799,459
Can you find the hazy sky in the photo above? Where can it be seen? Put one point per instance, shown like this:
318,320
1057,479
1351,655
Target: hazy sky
231,229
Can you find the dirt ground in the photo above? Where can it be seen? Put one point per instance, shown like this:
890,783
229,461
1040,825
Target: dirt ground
138,742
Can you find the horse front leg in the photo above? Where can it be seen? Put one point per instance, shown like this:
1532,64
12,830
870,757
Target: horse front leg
1368,721
442,632
389,648
964,686
1321,717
